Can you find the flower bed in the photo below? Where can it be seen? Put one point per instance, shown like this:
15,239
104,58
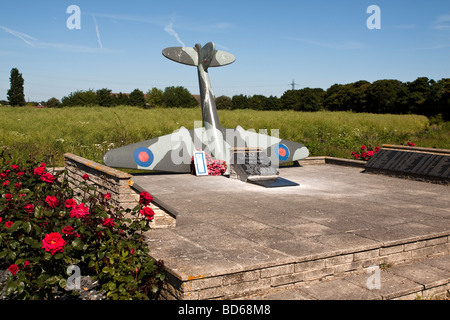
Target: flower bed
44,231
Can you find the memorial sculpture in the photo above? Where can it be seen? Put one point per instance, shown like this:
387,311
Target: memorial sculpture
173,152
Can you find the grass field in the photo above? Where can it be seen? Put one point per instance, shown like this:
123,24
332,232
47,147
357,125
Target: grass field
90,132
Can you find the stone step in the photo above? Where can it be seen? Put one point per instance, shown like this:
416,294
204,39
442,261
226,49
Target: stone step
426,279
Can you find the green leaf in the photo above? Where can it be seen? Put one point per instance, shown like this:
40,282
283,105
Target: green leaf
52,280
63,283
58,256
27,226
77,244
111,286
3,253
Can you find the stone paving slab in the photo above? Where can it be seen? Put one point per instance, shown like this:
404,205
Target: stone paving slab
226,226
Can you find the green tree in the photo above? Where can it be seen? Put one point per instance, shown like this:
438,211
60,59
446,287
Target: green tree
440,99
155,97
240,101
16,97
178,97
53,103
224,102
307,99
121,99
387,96
136,98
104,98
80,98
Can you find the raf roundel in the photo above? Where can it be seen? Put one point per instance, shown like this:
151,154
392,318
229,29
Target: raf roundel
283,152
143,157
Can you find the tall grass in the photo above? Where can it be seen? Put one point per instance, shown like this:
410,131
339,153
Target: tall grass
90,132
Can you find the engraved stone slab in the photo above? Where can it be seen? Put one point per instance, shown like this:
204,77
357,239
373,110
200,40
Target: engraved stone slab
254,166
423,165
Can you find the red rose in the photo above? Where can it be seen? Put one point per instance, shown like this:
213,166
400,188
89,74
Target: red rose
411,144
8,196
70,203
107,196
363,147
109,222
68,230
6,182
47,177
9,224
148,213
53,243
79,211
29,208
52,201
13,268
39,171
26,263
145,198
85,176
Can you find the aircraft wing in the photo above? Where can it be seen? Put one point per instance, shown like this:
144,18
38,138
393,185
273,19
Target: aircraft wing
277,149
171,153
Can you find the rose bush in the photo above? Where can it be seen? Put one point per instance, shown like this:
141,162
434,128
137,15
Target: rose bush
365,154
44,230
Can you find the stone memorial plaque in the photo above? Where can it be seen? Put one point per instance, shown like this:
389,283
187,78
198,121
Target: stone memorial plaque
254,166
424,165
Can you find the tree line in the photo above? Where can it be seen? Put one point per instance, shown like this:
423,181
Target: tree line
422,96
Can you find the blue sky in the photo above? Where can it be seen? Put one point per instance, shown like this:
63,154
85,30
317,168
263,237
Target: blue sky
316,43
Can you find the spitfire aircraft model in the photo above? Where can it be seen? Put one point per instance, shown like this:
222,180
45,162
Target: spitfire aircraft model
173,152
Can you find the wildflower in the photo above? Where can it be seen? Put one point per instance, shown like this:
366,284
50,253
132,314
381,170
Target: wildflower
53,243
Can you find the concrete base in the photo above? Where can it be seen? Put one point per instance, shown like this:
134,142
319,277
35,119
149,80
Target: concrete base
235,240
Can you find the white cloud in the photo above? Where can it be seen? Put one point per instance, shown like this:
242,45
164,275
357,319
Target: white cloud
442,22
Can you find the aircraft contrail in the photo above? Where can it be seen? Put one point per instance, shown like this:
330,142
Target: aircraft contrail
25,37
98,33
169,29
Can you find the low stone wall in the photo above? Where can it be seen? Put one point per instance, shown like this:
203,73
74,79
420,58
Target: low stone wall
124,193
